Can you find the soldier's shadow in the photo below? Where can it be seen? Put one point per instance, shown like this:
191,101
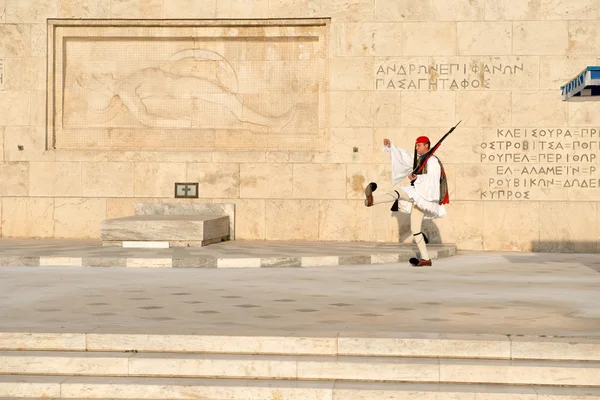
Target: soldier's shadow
429,228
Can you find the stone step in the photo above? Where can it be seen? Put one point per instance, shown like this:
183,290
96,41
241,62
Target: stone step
178,230
392,345
345,368
233,389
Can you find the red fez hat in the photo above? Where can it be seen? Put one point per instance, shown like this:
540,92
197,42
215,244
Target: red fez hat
422,139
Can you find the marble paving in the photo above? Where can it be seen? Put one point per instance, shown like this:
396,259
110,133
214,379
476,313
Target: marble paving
496,293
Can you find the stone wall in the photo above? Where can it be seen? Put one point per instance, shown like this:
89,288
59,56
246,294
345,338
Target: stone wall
524,167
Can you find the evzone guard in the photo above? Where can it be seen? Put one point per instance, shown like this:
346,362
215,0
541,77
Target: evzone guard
426,195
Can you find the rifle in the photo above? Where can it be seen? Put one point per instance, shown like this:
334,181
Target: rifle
426,156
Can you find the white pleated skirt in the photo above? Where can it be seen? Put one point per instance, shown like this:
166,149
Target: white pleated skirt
431,209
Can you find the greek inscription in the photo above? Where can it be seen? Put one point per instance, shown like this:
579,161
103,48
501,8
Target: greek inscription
442,76
533,162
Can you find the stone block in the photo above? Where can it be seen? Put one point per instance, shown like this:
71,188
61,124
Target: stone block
538,108
25,143
348,10
540,38
30,12
555,71
190,228
429,109
484,38
107,179
584,112
351,74
84,9
55,179
366,39
342,144
242,9
294,8
213,210
27,217
569,10
345,220
14,108
149,263
337,108
39,43
360,175
24,74
150,9
78,218
158,179
15,40
429,39
238,263
37,101
483,109
584,38
511,10
292,219
215,180
319,181
463,225
511,226
568,227
14,179
189,9
266,181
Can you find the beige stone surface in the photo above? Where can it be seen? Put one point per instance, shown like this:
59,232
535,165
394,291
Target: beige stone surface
135,9
584,37
429,39
266,181
360,175
242,9
2,11
158,179
512,226
568,227
295,8
37,101
386,109
464,145
484,109
345,220
342,143
27,217
14,108
569,10
463,225
120,207
42,341
25,74
366,39
292,219
14,179
2,128
348,10
484,38
31,138
511,10
555,71
107,179
540,38
337,105
15,40
351,74
55,179
189,9
249,218
319,181
18,11
236,157
419,107
435,10
584,113
38,40
84,9
512,72
538,108
78,218
215,180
